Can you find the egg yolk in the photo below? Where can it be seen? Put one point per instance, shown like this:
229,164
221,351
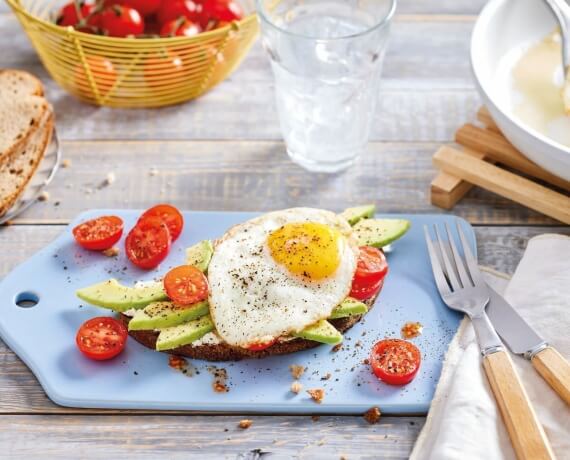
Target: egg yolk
307,249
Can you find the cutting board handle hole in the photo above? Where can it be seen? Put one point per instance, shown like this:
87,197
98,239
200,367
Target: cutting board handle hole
26,299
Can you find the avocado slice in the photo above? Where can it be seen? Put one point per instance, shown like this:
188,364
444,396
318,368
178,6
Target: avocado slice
380,232
183,334
356,214
200,254
114,296
166,314
322,331
349,307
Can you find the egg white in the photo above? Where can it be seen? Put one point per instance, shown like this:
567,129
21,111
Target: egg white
253,298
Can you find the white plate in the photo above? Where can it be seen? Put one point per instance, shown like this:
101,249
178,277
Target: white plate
505,27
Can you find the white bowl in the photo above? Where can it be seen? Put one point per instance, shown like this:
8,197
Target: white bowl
504,27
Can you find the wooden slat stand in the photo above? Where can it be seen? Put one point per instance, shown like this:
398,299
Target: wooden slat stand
480,163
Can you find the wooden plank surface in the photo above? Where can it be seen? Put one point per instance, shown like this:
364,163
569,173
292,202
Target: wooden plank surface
173,437
254,176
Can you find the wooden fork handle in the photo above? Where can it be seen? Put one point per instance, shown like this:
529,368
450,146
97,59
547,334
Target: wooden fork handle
555,370
526,433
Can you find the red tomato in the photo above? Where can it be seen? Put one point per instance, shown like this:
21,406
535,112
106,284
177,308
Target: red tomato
186,285
100,233
371,267
173,9
101,338
219,10
365,292
72,13
170,216
144,7
261,346
148,243
181,27
121,21
163,68
102,70
395,361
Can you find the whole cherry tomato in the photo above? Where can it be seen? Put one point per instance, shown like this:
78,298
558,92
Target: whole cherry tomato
181,27
173,9
219,11
121,21
74,12
163,68
102,71
144,7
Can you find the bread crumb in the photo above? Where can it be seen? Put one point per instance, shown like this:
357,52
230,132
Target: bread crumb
315,418
327,376
372,415
110,179
8,223
317,394
296,387
296,371
337,347
44,196
245,423
66,163
111,252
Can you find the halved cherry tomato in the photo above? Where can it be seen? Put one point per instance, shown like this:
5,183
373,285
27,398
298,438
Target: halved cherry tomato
367,291
173,9
121,21
395,361
74,12
186,285
181,27
100,233
170,216
101,338
148,243
261,346
144,7
371,266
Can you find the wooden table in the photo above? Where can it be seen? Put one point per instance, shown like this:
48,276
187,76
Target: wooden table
224,152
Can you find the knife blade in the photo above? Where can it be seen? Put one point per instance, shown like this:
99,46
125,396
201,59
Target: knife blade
513,329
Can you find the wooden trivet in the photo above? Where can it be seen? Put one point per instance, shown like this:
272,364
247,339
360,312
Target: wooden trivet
480,162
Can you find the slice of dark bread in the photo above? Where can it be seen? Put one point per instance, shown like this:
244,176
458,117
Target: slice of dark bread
225,352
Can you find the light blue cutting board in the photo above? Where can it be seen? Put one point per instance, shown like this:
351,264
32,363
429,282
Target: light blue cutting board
44,336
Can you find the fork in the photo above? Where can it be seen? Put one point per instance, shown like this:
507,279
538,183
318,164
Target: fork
462,288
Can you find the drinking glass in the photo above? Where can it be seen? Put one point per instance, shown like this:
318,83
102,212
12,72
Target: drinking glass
327,58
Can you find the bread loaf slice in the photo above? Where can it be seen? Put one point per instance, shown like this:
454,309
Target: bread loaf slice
22,108
16,173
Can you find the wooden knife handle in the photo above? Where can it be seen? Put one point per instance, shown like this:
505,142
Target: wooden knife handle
555,370
526,433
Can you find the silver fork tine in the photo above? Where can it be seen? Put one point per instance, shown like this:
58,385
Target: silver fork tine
474,271
438,275
459,263
448,265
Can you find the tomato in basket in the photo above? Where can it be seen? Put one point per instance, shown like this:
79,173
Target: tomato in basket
163,69
121,21
144,7
219,11
102,71
174,9
181,27
72,13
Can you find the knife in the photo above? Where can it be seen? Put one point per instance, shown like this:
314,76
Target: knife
523,340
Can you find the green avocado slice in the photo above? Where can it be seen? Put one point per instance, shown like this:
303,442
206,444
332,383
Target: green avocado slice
183,334
349,307
166,314
322,331
200,254
114,296
380,232
356,214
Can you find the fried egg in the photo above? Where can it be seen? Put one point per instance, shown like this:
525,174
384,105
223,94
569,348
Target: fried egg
278,273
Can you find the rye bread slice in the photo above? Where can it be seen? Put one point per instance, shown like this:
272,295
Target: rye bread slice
16,173
225,352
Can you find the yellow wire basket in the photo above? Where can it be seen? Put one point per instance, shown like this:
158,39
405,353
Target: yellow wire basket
134,72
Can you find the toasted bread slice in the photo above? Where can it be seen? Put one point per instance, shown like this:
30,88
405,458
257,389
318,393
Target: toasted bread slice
18,83
225,352
22,109
16,173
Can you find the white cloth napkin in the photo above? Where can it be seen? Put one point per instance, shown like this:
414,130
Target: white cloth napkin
464,421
